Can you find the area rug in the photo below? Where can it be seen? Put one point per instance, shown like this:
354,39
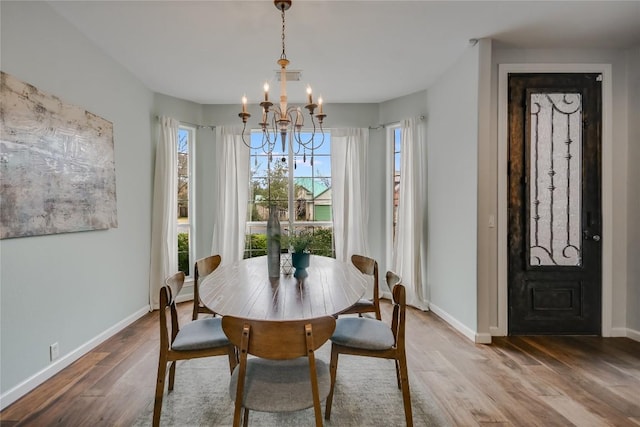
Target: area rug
366,395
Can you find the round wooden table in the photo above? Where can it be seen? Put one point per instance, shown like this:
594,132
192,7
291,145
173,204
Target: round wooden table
244,289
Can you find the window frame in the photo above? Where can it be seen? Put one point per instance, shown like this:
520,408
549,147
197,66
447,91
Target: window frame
191,204
390,182
291,223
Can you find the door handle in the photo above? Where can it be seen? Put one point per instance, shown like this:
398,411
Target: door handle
586,235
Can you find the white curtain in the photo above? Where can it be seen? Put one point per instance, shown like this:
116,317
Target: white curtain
350,199
408,244
232,192
164,240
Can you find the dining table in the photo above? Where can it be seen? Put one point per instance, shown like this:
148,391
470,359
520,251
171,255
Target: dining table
244,289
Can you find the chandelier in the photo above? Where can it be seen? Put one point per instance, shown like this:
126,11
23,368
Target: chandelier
284,119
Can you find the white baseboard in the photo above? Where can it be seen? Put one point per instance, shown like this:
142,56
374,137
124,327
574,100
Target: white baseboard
187,292
483,338
618,332
464,330
35,380
633,334
496,331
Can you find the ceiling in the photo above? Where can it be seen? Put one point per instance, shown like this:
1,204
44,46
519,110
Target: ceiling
213,52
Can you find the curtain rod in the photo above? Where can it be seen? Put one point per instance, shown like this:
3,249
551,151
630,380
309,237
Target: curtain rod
384,125
212,127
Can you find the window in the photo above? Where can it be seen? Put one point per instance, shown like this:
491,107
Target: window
396,134
301,194
186,139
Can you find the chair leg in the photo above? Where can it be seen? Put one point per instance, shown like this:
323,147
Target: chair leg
157,404
233,358
172,375
245,422
398,373
238,412
406,395
333,365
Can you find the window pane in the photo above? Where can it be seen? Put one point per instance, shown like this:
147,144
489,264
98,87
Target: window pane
397,137
556,125
304,176
184,137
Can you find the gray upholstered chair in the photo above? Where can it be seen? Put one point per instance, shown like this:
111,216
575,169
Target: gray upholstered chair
202,268
369,267
200,338
360,336
285,376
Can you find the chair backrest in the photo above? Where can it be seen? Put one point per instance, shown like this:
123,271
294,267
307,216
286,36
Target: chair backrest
367,266
206,266
168,293
399,307
273,339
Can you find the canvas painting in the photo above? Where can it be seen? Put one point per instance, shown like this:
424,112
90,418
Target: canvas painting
57,170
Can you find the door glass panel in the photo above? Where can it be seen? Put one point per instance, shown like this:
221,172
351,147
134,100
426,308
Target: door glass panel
554,177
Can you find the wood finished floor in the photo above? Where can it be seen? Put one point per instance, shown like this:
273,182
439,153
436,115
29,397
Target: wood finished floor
516,381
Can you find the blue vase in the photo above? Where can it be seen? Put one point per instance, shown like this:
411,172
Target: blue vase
300,261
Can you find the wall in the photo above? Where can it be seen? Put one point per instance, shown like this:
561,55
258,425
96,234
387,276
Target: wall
74,288
633,194
614,166
452,182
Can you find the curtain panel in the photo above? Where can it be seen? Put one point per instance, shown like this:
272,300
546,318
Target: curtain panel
409,241
231,193
164,239
349,151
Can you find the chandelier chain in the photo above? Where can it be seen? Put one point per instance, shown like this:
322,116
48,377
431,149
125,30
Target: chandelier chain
284,55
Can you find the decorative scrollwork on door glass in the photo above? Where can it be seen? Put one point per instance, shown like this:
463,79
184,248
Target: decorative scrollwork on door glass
555,179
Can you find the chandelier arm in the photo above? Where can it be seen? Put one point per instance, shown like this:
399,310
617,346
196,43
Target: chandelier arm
243,132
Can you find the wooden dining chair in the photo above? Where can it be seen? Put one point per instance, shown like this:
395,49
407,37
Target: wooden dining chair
203,267
360,336
369,267
285,376
199,338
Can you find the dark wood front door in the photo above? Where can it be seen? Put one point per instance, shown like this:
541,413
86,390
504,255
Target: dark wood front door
555,251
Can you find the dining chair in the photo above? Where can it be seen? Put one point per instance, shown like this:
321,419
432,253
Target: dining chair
369,267
203,267
361,336
199,338
284,376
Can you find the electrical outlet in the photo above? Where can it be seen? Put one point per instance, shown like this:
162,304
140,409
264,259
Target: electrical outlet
54,351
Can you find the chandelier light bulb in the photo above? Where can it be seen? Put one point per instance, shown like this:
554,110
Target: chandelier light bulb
309,94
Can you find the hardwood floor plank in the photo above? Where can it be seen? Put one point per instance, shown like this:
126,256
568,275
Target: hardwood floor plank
516,381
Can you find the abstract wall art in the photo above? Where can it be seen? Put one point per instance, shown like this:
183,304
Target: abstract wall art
57,170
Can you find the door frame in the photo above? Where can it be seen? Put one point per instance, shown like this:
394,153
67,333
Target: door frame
607,185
